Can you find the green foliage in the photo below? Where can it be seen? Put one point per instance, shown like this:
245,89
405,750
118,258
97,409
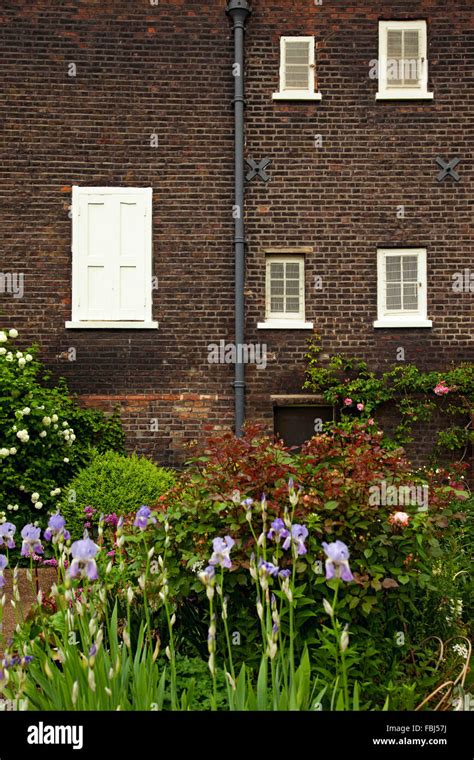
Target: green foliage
113,483
45,437
411,390
343,476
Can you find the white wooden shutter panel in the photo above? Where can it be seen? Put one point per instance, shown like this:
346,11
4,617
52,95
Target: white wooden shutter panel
298,61
129,264
111,254
93,252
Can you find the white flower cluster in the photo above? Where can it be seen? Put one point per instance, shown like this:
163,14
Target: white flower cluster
3,517
12,507
35,499
68,433
23,435
461,650
9,357
55,492
7,452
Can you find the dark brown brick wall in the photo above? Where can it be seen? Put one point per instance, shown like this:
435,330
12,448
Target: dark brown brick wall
166,69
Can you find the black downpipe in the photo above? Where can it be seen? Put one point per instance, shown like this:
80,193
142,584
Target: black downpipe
239,10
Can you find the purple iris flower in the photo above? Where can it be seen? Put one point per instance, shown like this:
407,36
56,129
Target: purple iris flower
337,563
298,535
268,568
278,530
7,531
83,564
31,541
221,552
56,529
143,517
3,564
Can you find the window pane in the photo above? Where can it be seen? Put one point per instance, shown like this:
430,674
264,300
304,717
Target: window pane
411,55
297,77
410,268
297,52
410,296
394,57
394,297
393,268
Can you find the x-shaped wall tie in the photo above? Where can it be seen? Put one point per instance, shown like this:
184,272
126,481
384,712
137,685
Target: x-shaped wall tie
257,169
448,169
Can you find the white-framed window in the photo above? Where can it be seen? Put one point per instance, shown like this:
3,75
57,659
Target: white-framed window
297,69
402,288
284,293
111,257
403,60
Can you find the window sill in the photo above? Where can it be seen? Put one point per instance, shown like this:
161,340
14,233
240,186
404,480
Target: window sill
397,323
102,325
282,324
404,95
297,96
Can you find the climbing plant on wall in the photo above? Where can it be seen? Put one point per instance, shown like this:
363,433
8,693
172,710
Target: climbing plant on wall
350,385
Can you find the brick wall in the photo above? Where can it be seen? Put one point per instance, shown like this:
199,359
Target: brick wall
166,70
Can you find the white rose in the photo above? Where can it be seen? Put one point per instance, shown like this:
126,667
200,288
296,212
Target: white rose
66,460
35,496
4,452
21,362
15,507
22,488
3,336
64,424
29,358
9,357
13,450
38,505
55,418
13,333
46,420
43,434
3,350
23,436
26,410
19,354
55,427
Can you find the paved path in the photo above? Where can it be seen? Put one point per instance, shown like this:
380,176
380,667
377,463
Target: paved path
46,576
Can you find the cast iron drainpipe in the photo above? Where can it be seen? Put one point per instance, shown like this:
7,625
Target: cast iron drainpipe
239,10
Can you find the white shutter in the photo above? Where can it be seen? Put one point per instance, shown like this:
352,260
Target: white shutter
111,254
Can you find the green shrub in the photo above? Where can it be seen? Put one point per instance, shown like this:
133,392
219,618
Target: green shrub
344,475
45,437
113,483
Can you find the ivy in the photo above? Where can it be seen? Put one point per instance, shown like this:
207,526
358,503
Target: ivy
348,384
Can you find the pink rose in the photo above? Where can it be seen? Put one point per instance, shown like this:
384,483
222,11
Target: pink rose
360,407
399,518
371,421
347,401
441,388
